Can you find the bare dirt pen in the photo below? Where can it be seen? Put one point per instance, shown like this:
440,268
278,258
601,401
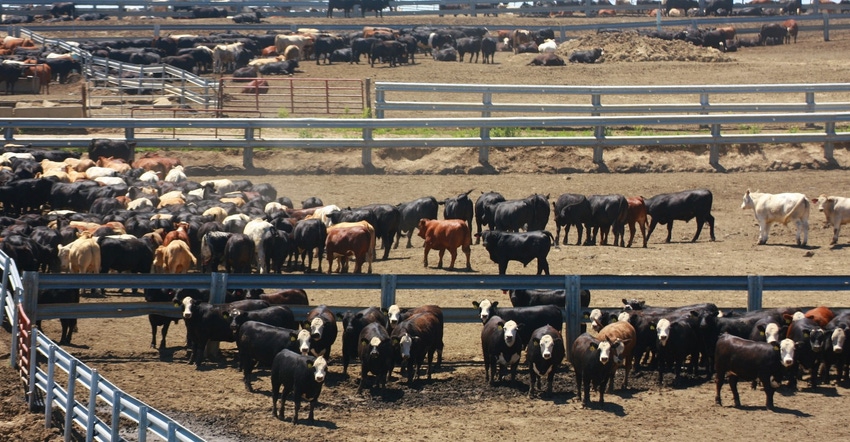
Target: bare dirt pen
457,402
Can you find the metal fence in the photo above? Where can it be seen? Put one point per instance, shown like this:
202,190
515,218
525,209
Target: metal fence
712,131
278,97
28,343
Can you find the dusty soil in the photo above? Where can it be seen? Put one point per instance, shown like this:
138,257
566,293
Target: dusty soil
213,403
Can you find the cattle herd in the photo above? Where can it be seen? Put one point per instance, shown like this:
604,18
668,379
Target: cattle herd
81,215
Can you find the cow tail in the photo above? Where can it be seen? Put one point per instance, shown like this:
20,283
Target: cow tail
803,205
552,238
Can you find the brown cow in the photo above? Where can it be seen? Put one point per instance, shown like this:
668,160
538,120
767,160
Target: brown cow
269,51
520,37
625,333
791,26
636,214
180,233
356,240
116,164
821,315
445,235
41,71
157,163
286,296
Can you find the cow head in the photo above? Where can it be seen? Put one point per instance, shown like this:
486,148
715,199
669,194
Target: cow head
786,352
662,329
320,369
316,327
633,304
624,317
509,331
303,338
604,350
546,345
187,304
596,319
393,314
816,338
404,344
374,346
837,338
770,332
235,317
486,309
748,202
422,227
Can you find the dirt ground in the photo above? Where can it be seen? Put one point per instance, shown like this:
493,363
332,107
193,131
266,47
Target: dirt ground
213,403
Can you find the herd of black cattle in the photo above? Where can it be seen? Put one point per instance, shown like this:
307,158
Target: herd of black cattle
44,213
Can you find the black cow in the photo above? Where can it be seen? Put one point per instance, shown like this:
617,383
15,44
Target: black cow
469,45
9,73
302,375
239,252
258,343
587,56
159,295
484,208
719,7
62,296
310,234
342,55
362,46
206,322
345,5
30,195
528,318
212,250
415,338
608,212
124,254
387,221
248,17
392,52
102,147
352,324
459,207
772,33
276,315
326,46
531,214
373,5
750,360
208,12
529,297
375,349
413,211
92,16
686,205
285,67
63,8
321,322
186,62
446,53
572,210
502,347
809,340
677,340
544,357
594,362
488,49
836,339
8,19
523,247
61,67
547,59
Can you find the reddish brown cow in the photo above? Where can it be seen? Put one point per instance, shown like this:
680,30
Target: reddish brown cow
157,163
181,233
299,214
625,333
287,296
821,315
636,214
269,51
256,87
442,235
40,71
791,26
350,240
116,164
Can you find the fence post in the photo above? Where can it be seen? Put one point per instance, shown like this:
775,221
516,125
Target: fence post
30,300
825,24
367,97
755,288
218,287
366,153
714,154
828,147
70,402
388,285
484,151
658,19
143,424
32,357
248,149
572,286
48,399
598,131
90,418
117,397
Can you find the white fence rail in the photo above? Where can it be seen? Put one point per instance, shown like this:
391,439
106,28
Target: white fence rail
41,383
826,128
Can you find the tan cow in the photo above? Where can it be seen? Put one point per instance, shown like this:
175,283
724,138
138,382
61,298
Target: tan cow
836,209
173,258
623,332
81,256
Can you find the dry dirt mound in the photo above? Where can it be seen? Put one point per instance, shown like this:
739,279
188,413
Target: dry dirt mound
629,46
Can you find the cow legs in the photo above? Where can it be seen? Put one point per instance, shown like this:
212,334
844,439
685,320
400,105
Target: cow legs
652,225
466,251
427,249
764,231
670,231
632,233
733,384
835,231
542,265
440,253
453,253
804,225
718,385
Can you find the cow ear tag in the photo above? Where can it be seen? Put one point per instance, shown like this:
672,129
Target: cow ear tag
592,348
309,365
586,316
292,338
805,335
775,347
761,333
652,327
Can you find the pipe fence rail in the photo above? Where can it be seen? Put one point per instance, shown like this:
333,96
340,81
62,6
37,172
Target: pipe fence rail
28,342
712,131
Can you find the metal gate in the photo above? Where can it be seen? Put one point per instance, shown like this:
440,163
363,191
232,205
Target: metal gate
272,97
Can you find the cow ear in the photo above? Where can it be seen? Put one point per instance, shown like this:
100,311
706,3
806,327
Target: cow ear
806,333
775,346
309,364
494,304
339,316
761,332
694,313
292,337
305,325
364,341
535,342
176,304
395,341
592,347
652,327
585,315
225,315
475,304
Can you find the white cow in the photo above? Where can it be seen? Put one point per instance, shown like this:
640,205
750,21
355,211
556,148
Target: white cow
176,175
779,208
836,209
256,229
548,46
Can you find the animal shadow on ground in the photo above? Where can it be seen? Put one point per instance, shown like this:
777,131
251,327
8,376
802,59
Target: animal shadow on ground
776,409
825,391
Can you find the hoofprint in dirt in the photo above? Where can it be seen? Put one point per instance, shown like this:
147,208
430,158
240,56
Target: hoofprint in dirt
213,401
